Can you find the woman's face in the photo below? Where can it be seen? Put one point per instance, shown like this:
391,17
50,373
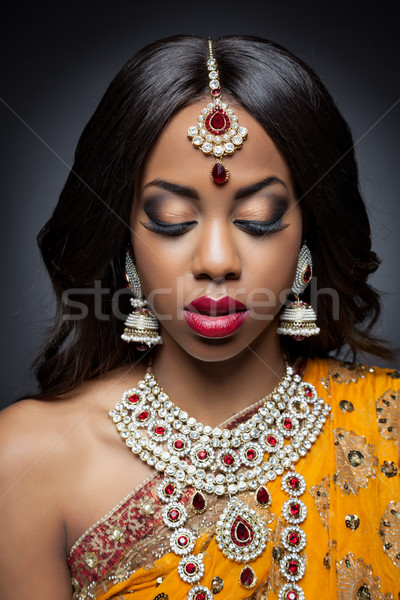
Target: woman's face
216,262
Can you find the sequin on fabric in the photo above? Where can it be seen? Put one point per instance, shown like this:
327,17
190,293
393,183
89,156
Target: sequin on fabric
356,581
354,459
388,415
390,532
320,493
343,372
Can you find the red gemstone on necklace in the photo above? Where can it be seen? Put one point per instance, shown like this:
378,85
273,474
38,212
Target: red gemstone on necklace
228,459
291,595
219,174
169,489
179,444
247,577
271,440
287,423
198,501
293,567
294,539
262,496
251,454
134,398
159,430
295,509
174,514
190,568
182,541
202,455
294,483
200,596
308,392
307,274
143,415
242,533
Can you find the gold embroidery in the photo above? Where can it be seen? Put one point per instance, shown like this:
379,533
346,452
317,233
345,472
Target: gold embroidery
116,533
147,508
388,414
356,580
355,462
275,579
343,372
390,531
320,493
328,556
91,559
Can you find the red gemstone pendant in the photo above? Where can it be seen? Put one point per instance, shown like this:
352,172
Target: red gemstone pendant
217,122
263,497
242,533
199,503
219,172
247,578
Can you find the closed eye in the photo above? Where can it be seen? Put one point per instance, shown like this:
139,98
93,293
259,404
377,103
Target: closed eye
260,227
172,229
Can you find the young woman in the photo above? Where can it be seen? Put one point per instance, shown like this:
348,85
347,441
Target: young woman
216,449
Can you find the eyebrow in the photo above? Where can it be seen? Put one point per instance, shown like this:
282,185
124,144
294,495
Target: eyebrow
256,187
189,192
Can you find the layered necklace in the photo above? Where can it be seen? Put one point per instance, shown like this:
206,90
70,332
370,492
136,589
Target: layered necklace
227,462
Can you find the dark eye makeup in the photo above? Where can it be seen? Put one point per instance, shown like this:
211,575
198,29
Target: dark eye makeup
260,227
250,226
168,228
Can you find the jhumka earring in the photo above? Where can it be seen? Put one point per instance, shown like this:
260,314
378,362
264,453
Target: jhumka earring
217,131
141,326
298,318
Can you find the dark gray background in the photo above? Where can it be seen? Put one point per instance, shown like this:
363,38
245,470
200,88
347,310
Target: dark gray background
58,60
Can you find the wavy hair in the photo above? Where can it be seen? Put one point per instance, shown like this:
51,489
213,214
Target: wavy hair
85,239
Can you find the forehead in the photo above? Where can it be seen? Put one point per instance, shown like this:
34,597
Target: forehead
173,157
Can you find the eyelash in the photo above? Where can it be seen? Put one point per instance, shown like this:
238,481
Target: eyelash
260,227
251,227
168,228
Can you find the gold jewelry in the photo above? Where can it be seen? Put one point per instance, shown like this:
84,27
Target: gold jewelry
141,325
298,318
217,131
227,462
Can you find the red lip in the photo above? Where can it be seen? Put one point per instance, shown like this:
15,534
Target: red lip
215,318
215,308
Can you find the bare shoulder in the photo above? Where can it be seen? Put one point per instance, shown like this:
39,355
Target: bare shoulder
47,448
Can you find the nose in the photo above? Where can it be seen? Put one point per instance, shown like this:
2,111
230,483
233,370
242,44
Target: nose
216,256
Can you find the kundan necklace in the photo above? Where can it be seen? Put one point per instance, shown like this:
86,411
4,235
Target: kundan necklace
227,462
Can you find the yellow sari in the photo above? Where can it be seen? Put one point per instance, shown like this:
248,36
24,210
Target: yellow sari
353,512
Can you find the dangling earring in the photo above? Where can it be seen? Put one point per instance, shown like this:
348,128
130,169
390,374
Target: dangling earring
141,326
298,318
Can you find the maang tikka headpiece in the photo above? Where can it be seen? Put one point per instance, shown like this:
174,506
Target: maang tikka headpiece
217,132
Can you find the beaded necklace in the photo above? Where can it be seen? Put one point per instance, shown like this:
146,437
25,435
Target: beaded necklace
227,462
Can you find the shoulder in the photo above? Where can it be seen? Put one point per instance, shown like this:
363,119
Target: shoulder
365,401
338,377
48,432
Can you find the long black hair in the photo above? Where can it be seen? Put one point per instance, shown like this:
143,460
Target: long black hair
86,237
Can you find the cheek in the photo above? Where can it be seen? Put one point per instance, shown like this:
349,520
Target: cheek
160,270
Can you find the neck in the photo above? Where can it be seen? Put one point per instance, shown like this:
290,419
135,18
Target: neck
213,391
